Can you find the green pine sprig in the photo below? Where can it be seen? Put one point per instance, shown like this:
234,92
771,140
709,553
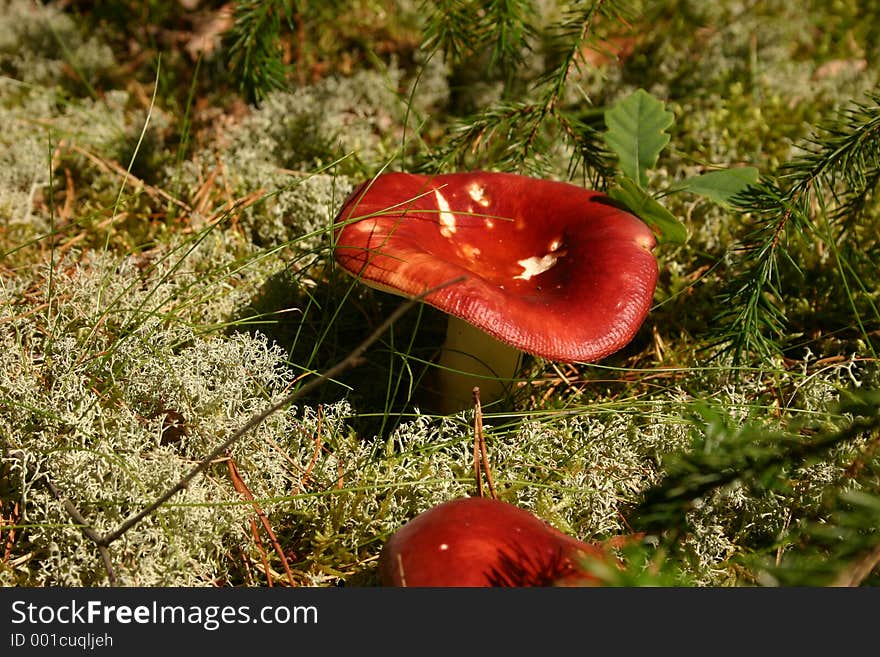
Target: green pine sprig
461,28
255,46
514,134
820,197
749,455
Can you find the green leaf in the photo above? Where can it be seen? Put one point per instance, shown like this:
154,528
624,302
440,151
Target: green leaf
636,132
720,186
662,221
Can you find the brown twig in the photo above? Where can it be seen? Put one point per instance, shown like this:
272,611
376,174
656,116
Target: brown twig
478,428
307,473
9,543
66,211
351,360
239,485
263,556
857,572
244,491
481,456
87,530
232,207
203,194
114,167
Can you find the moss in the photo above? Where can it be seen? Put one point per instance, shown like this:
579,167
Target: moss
41,45
122,366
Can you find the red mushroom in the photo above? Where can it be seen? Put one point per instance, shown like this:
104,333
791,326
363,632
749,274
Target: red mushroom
477,541
550,268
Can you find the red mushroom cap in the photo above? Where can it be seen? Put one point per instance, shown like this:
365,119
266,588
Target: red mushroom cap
551,268
476,541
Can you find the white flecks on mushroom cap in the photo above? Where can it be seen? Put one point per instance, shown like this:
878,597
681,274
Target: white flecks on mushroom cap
469,251
535,265
539,264
646,242
447,218
477,192
533,238
364,226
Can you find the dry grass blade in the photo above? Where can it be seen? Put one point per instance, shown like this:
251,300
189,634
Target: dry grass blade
245,492
481,456
9,521
115,167
859,571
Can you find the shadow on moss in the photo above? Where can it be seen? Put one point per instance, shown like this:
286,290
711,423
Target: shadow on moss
318,326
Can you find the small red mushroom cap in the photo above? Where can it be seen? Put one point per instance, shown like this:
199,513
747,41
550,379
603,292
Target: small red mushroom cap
475,541
550,268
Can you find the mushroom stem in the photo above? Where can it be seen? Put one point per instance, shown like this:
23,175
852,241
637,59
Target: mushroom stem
471,358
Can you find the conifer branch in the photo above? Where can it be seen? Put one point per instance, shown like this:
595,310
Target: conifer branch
255,49
830,184
751,456
458,28
512,134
